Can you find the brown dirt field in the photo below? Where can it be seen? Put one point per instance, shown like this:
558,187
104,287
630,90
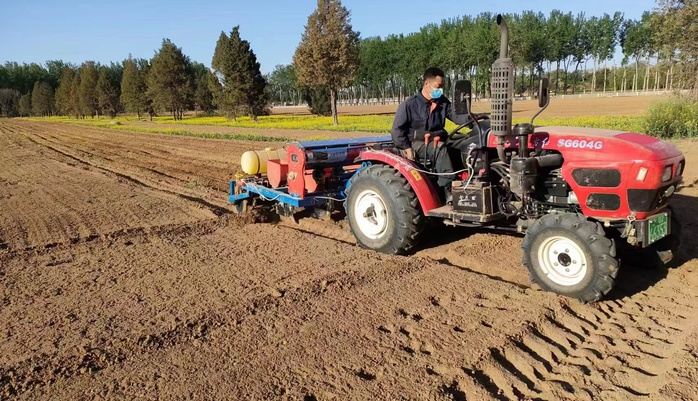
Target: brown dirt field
167,295
569,106
58,199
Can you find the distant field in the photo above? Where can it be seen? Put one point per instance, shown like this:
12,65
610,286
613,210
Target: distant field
294,123
283,128
570,106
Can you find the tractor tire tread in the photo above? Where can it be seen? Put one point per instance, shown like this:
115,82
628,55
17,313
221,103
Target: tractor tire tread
411,222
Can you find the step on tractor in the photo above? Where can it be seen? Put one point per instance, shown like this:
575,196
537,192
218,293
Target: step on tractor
585,199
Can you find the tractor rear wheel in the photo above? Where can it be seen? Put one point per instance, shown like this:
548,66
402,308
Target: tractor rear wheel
383,211
570,255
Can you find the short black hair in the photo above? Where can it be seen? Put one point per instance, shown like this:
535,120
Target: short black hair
433,72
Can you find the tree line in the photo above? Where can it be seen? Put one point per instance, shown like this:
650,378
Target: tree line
170,82
658,53
333,63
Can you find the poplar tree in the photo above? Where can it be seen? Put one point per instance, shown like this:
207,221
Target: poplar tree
675,27
328,54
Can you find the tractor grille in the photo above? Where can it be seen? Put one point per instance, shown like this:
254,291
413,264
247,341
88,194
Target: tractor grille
645,200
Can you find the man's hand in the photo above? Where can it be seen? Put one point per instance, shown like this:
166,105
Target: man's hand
409,154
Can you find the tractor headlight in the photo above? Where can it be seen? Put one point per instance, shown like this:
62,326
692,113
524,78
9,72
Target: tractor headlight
666,174
642,174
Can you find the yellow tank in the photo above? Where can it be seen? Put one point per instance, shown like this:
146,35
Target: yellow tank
255,161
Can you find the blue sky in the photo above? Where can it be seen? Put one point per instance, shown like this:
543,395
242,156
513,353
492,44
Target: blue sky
79,30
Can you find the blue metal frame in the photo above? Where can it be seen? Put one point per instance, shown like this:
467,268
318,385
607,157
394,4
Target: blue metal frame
281,195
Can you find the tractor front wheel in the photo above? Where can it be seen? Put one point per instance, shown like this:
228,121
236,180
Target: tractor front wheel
383,211
571,256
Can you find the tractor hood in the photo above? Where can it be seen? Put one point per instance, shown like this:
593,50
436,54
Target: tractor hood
603,144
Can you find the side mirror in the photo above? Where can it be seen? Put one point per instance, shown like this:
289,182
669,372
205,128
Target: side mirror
543,93
543,96
462,97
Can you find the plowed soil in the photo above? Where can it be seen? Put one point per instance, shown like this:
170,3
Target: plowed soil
125,275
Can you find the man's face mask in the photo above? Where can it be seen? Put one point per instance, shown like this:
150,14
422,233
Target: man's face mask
436,92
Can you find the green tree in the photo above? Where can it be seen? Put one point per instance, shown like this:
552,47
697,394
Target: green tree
74,99
283,85
63,98
581,44
225,95
54,71
42,99
533,43
604,41
560,33
674,25
328,54
242,86
89,105
25,105
22,77
203,98
107,96
168,81
133,88
318,100
9,101
374,70
636,39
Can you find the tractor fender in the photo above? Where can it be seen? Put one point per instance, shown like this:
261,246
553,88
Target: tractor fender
419,181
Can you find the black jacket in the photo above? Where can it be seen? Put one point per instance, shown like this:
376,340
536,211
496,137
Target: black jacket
413,119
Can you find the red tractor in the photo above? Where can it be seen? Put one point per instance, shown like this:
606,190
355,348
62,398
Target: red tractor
580,195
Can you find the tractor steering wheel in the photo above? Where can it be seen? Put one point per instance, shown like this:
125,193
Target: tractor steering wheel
470,124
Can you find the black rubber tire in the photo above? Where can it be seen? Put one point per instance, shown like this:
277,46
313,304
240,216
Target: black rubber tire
599,250
405,221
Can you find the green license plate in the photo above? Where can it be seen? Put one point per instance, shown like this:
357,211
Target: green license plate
658,228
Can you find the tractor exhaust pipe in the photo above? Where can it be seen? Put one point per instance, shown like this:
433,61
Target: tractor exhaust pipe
502,90
504,41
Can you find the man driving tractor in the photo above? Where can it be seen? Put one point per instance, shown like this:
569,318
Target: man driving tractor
424,114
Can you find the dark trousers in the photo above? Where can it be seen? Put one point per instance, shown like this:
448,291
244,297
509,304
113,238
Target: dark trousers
444,159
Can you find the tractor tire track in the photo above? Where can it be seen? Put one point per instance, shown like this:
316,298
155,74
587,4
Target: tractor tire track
615,350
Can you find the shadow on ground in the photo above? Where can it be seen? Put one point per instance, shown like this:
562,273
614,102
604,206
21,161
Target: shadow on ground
634,279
